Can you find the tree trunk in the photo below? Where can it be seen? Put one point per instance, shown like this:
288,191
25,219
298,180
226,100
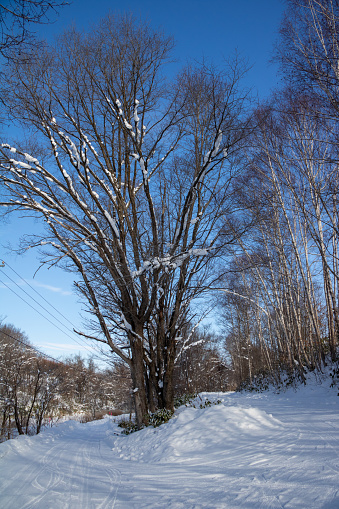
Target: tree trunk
168,392
17,419
139,383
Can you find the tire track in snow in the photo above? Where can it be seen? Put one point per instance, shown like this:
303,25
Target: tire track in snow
57,486
78,485
14,490
72,473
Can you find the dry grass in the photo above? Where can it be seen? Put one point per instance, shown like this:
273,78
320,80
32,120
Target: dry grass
99,415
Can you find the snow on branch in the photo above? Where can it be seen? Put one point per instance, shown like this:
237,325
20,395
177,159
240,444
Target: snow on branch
231,292
186,344
170,262
211,154
209,159
128,329
116,108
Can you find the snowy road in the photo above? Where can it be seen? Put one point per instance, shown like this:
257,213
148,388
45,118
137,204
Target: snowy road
252,451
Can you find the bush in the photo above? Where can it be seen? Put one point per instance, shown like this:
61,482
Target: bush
279,380
160,417
89,417
189,400
155,419
260,383
128,426
115,412
334,374
185,399
207,403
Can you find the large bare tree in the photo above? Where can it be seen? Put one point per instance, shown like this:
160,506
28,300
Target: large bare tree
133,180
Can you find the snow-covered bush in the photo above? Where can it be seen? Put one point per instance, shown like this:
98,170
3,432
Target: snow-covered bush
160,417
185,399
128,426
334,374
154,419
277,381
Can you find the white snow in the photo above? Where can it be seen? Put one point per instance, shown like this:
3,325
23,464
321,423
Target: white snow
136,118
195,220
112,223
217,144
127,125
31,159
199,252
251,451
23,165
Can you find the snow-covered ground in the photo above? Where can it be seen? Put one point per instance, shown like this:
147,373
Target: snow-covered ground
250,451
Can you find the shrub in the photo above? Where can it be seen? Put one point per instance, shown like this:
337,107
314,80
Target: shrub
155,419
128,426
334,374
185,399
115,412
160,417
207,403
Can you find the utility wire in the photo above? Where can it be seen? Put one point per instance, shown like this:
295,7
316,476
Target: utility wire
100,353
45,317
61,364
32,298
5,264
29,346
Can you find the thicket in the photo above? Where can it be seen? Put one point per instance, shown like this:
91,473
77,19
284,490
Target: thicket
37,392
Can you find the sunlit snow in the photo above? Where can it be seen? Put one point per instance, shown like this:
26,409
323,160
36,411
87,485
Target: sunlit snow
249,451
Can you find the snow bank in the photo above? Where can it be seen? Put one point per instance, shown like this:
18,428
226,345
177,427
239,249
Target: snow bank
197,433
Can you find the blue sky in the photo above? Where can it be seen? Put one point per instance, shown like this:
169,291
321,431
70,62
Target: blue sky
211,29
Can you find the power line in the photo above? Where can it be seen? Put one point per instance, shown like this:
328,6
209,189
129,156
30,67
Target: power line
6,264
83,345
29,346
61,364
38,303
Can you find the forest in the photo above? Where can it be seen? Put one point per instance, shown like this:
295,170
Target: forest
168,198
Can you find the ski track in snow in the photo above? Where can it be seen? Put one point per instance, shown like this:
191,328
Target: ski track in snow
258,451
70,474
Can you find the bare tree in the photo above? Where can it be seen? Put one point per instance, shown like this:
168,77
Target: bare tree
135,186
291,252
28,383
308,52
17,20
13,360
